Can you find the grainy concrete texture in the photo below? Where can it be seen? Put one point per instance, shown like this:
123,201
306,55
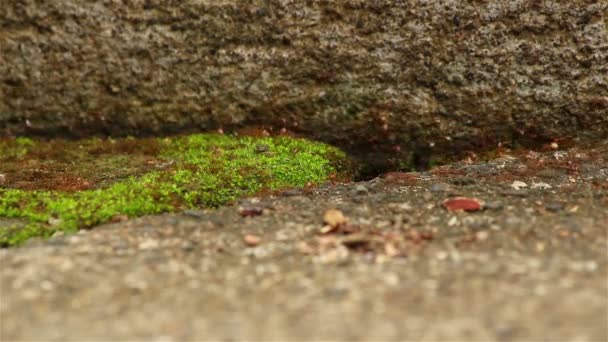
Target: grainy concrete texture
530,265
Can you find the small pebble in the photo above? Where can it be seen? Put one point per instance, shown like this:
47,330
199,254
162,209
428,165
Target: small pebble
482,235
252,240
334,218
559,155
517,185
541,186
148,244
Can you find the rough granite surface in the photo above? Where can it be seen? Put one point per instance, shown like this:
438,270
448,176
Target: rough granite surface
388,74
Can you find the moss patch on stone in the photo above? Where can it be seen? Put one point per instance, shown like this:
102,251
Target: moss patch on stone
69,185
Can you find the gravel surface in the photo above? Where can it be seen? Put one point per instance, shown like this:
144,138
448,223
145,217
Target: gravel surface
526,261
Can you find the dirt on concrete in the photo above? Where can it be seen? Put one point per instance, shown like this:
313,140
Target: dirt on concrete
525,258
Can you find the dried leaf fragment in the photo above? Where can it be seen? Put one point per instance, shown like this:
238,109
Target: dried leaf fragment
250,211
462,204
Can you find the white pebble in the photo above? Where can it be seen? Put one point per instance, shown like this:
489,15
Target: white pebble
518,185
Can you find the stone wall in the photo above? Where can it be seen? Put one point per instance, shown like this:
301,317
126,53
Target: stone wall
387,74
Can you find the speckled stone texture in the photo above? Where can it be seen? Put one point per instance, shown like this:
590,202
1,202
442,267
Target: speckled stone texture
391,74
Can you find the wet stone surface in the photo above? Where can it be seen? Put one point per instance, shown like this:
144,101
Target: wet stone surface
394,264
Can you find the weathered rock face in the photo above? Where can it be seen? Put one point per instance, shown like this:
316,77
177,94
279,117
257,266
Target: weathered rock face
387,73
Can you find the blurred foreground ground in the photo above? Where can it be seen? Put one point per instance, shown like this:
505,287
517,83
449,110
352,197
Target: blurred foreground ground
527,262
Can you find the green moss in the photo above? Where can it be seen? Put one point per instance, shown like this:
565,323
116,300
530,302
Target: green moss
191,171
16,148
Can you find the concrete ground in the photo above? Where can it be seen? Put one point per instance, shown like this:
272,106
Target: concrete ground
396,260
